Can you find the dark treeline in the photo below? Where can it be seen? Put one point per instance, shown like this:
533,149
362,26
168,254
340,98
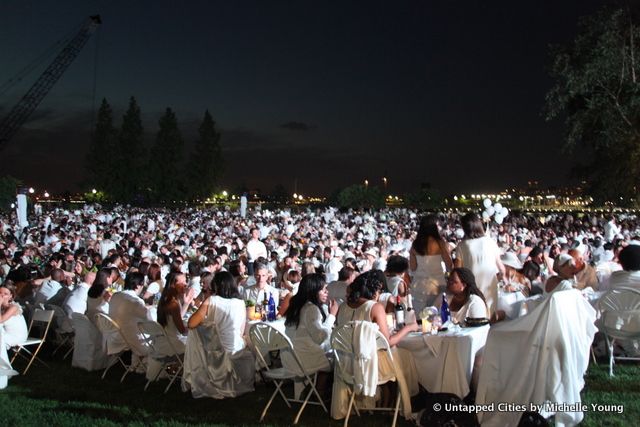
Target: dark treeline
125,170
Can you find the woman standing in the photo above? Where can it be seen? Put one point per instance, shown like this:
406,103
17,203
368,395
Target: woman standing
429,259
480,254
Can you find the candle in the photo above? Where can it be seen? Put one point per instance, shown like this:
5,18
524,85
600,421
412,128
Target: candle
426,326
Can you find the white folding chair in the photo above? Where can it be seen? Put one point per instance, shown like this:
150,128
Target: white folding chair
265,339
89,351
154,335
42,319
342,343
620,319
109,329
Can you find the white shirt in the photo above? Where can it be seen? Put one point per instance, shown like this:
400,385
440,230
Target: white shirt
256,249
257,295
76,301
48,290
105,246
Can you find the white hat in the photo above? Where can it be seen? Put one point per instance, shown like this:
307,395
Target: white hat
511,259
371,252
561,260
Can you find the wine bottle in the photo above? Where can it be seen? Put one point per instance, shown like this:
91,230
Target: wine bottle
445,314
265,307
399,309
272,309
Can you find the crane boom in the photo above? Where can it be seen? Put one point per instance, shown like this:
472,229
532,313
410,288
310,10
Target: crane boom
30,101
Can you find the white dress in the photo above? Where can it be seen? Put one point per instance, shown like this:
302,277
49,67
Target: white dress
15,329
217,362
479,255
310,341
405,366
428,281
475,308
95,306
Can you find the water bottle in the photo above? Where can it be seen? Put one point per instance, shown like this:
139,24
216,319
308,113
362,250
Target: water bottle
272,309
445,314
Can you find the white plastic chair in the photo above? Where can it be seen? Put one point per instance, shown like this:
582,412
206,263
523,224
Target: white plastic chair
153,333
109,328
342,342
620,319
41,318
265,339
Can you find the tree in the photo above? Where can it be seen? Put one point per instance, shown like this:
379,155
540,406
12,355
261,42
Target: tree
204,167
102,157
128,175
425,199
360,196
8,186
597,90
164,161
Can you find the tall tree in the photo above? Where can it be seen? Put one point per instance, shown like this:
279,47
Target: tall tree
204,167
597,90
128,175
164,161
102,155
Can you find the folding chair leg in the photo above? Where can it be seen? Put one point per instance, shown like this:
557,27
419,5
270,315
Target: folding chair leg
113,359
346,419
178,372
132,368
266,408
68,352
306,400
611,361
34,356
397,409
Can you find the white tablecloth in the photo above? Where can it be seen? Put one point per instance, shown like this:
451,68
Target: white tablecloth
445,362
510,303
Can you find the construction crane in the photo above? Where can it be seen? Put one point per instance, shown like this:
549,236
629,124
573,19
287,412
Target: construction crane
30,101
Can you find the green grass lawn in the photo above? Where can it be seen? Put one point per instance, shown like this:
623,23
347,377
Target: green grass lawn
64,396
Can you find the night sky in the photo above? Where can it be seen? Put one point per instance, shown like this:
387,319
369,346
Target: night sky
322,93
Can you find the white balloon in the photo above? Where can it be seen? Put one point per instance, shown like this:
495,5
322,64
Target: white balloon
486,203
490,210
499,219
504,212
485,215
498,207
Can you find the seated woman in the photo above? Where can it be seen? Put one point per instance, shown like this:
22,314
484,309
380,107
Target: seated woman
467,300
11,319
362,304
217,362
170,312
98,295
513,279
309,328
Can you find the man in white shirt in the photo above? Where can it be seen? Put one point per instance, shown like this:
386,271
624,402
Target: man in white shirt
338,289
106,245
629,277
127,309
611,230
255,248
257,292
76,301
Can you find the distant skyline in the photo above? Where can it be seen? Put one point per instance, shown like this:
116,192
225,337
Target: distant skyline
323,94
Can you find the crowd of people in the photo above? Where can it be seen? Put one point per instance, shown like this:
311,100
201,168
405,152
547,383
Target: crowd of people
199,270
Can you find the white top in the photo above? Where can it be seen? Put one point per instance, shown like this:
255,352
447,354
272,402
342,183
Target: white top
257,295
95,306
393,283
475,308
256,249
127,309
310,340
15,329
48,290
479,255
347,314
229,316
76,301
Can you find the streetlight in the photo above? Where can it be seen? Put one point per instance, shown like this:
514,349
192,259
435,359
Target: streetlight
295,195
366,183
384,181
46,194
31,190
94,191
224,193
